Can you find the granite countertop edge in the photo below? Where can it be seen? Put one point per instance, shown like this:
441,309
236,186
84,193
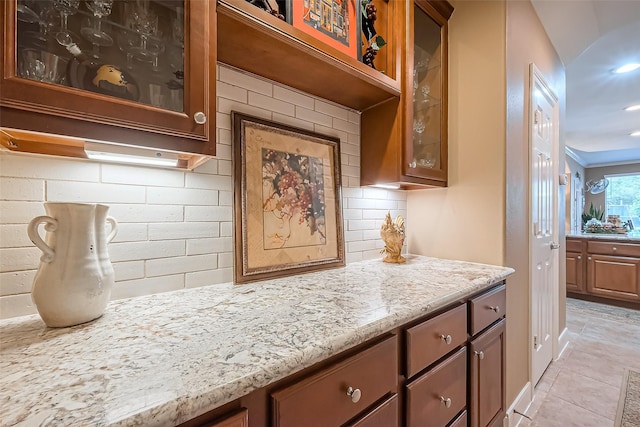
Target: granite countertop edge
166,358
632,237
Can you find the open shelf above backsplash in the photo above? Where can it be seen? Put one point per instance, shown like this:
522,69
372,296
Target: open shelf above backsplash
251,39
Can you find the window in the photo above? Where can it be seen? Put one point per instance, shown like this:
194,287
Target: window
622,197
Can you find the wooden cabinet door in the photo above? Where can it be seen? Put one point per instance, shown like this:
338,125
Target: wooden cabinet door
487,377
614,277
162,99
241,419
575,272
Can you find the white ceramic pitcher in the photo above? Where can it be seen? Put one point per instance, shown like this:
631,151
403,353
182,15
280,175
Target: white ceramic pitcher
74,280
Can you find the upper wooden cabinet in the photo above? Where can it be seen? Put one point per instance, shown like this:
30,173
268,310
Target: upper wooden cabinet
404,142
254,40
143,75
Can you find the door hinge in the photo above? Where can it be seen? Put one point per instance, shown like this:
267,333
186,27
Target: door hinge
535,342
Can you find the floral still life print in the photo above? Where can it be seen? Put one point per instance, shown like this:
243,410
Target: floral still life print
288,215
294,206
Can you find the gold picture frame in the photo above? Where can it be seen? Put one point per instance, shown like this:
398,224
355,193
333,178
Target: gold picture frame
287,200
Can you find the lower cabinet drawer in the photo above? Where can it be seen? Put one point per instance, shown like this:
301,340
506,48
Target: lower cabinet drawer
460,421
486,309
383,415
434,398
341,391
434,338
611,248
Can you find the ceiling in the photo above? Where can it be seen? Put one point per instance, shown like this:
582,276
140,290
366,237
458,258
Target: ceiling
592,38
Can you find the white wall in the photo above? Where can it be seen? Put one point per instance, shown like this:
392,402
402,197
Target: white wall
175,227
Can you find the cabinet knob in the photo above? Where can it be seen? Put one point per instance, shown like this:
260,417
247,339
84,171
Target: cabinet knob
588,258
200,118
446,401
614,249
480,354
354,394
413,164
496,308
446,338
579,256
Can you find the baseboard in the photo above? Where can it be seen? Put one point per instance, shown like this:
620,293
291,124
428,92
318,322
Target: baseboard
520,405
563,342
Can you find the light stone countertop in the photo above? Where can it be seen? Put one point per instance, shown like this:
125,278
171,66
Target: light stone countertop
166,358
632,237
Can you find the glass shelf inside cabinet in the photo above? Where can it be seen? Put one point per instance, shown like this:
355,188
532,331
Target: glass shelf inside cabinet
128,49
427,91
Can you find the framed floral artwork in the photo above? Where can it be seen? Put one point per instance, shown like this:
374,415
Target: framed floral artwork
287,200
334,22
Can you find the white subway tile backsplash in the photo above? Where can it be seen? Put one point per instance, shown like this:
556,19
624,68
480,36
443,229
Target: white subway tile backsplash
19,212
133,232
135,251
208,246
120,174
21,189
245,80
224,167
208,213
183,230
186,264
292,121
14,236
226,106
235,93
45,167
313,116
176,227
226,198
331,109
215,182
86,192
128,270
346,126
226,229
16,259
146,213
150,285
181,196
293,97
271,104
16,305
209,277
16,282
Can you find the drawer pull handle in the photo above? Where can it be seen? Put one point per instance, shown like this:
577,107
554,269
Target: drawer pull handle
496,308
447,401
480,354
354,394
446,338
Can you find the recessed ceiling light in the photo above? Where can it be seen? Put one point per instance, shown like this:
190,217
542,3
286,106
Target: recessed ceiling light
626,68
636,133
633,108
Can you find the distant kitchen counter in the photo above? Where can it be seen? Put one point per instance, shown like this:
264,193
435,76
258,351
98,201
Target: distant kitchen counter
164,359
630,237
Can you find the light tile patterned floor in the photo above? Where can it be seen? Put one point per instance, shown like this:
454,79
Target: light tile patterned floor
582,388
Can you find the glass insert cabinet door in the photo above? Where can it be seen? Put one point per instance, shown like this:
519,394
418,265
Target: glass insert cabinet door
131,50
426,146
123,60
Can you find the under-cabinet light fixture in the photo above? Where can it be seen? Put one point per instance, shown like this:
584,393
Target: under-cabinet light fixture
132,155
387,186
626,68
633,108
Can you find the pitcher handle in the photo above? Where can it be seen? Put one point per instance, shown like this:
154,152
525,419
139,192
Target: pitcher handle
114,228
32,230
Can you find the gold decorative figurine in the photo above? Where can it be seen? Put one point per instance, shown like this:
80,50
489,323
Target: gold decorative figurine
392,234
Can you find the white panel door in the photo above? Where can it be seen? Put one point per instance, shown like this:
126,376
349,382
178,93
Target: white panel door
544,222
